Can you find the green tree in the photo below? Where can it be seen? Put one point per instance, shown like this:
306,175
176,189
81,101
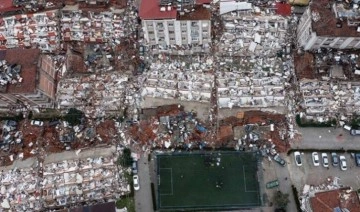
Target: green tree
125,159
281,200
74,116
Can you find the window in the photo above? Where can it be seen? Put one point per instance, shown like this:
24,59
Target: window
183,38
170,24
183,31
160,25
172,38
183,24
171,32
151,32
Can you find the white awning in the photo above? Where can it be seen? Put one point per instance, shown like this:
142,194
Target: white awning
229,6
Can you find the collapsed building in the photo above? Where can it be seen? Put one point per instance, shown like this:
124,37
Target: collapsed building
253,54
37,30
330,24
177,79
93,94
80,177
333,88
104,25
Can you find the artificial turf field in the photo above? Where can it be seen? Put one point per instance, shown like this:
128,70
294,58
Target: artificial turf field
202,181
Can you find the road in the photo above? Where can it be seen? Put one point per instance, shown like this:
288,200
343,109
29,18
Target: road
143,198
326,138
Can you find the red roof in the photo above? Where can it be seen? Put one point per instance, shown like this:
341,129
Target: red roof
150,9
201,2
7,5
283,9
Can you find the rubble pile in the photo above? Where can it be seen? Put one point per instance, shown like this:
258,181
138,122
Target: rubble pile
252,82
99,58
38,30
180,80
251,30
335,89
83,180
93,94
19,190
92,26
9,73
180,130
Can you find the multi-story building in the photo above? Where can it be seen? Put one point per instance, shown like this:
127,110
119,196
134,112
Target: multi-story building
329,24
176,23
29,82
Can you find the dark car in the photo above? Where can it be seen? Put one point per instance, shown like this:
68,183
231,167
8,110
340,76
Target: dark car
54,123
279,160
134,167
334,159
357,159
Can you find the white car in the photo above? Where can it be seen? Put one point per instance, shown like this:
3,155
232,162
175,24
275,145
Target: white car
37,123
315,158
325,160
297,158
343,165
136,182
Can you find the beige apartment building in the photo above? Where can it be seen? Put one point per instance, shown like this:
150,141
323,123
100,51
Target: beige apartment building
329,24
173,23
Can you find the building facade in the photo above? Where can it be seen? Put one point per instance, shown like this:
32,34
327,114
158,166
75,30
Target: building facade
329,24
172,25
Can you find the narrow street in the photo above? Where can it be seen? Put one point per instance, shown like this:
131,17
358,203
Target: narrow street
143,197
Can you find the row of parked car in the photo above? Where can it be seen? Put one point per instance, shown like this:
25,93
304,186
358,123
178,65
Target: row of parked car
336,160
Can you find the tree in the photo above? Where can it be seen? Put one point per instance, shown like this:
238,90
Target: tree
74,116
125,159
281,200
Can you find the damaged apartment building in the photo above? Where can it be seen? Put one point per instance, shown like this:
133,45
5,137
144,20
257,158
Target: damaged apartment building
333,89
87,24
330,24
329,82
36,30
254,54
179,79
169,23
28,79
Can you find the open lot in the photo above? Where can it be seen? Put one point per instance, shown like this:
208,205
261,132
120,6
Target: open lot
315,175
207,181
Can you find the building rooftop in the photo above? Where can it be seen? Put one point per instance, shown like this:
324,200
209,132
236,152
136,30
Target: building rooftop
156,10
151,9
199,13
329,201
325,22
7,5
28,59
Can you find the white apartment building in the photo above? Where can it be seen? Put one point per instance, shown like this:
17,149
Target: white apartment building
329,24
173,25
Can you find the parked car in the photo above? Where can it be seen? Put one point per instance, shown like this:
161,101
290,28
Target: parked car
354,132
335,159
357,159
37,123
136,182
343,165
297,158
54,123
325,160
134,167
279,160
315,159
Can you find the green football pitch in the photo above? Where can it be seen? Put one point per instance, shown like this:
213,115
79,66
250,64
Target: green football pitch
213,180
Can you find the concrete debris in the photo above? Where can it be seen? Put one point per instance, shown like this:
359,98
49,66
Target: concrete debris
93,94
31,30
179,79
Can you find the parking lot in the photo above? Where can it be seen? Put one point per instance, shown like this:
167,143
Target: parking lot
316,175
